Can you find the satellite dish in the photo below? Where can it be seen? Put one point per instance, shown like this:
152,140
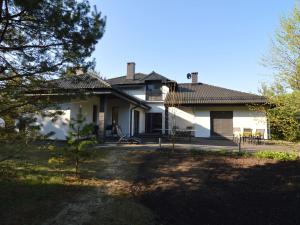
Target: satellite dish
188,76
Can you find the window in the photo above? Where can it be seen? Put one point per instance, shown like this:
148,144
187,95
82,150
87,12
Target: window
153,123
154,92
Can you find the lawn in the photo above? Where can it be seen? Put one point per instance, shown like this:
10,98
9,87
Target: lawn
137,187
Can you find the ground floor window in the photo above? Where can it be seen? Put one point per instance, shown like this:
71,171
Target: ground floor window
153,123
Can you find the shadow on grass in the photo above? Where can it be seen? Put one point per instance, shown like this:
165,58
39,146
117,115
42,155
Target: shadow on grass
216,189
30,203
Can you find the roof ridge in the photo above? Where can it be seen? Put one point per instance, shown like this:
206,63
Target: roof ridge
118,77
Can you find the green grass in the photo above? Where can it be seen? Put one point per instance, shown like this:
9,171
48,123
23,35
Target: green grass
32,188
221,152
281,156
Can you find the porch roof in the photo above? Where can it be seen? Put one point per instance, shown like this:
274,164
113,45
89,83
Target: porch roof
87,84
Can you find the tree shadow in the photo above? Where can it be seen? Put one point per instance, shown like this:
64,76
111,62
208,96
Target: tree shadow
214,189
31,203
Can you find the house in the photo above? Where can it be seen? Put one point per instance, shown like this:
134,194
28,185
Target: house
152,103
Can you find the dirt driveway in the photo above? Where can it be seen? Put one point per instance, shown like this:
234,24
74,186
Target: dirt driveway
152,187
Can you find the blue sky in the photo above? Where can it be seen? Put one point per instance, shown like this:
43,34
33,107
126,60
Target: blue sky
223,40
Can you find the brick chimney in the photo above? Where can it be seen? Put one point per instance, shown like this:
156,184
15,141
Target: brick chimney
130,70
194,77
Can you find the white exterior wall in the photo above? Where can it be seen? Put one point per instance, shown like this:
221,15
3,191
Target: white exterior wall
184,117
139,92
249,119
60,126
202,124
165,91
123,114
141,120
70,110
86,107
199,118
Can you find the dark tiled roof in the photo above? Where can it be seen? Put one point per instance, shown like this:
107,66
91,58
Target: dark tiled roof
140,78
155,76
208,94
84,81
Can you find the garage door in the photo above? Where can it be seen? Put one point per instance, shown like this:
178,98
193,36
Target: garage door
221,123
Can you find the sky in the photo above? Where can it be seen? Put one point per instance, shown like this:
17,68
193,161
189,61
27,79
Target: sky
223,40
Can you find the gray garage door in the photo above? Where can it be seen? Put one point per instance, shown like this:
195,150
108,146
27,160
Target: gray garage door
221,123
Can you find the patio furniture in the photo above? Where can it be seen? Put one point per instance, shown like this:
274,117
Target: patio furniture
259,135
247,134
190,130
125,138
183,133
236,134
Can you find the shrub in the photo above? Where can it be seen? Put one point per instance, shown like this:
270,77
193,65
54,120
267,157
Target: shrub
281,156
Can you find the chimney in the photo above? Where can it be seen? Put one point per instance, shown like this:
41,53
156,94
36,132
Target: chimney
130,71
194,77
79,71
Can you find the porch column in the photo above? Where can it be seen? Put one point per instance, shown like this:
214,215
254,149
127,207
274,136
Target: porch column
166,120
102,110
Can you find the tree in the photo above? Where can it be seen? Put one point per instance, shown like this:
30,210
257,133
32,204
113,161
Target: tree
283,114
172,101
40,40
79,141
284,57
284,93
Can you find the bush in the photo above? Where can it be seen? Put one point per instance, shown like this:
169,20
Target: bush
281,156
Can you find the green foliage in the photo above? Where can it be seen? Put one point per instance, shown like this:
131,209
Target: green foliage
221,152
284,57
283,95
283,116
42,40
80,141
56,161
281,156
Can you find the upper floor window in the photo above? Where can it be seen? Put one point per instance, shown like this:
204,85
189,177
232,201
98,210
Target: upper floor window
154,91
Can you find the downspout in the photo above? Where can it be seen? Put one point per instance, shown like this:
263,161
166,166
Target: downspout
130,125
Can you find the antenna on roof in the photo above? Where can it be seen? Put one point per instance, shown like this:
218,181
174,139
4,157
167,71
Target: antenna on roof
189,76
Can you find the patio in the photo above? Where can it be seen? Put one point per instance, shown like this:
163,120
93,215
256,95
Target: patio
209,144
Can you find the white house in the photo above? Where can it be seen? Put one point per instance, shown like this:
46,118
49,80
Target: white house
142,104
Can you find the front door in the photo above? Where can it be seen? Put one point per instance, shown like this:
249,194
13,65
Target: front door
153,123
136,122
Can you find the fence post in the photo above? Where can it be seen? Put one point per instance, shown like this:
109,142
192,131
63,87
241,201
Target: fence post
239,144
159,142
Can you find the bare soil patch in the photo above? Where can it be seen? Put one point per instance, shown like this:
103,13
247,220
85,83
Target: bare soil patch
145,187
212,189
